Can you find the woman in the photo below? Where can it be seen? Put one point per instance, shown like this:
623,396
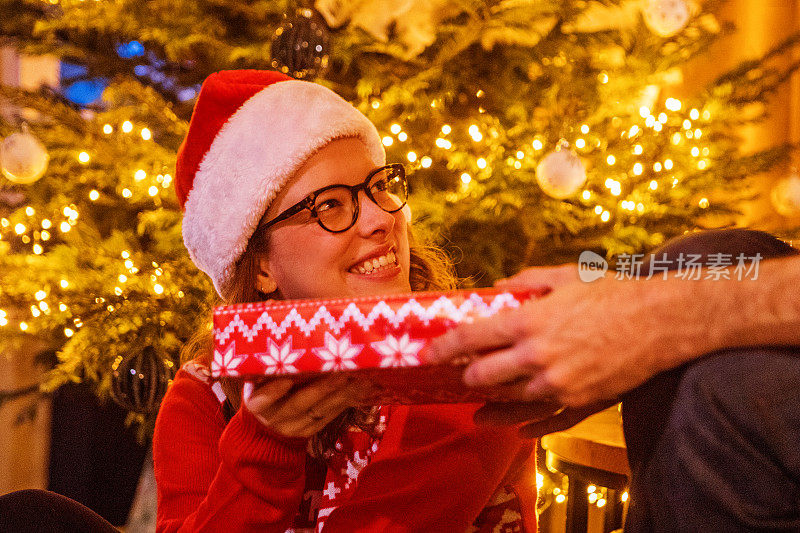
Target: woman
286,195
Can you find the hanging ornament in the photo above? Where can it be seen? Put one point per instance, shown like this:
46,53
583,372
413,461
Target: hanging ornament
665,18
22,157
561,173
301,45
139,381
786,196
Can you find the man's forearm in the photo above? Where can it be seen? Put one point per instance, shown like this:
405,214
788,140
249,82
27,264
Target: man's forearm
751,312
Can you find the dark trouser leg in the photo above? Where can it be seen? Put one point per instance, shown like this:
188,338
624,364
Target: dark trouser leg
715,445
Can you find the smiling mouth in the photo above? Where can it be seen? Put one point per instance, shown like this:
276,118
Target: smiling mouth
376,265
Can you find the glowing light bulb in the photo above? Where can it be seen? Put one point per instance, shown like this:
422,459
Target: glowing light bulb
687,125
633,131
158,289
426,162
668,164
68,332
580,143
83,157
45,235
146,134
376,104
37,249
624,496
657,167
40,295
402,136
64,283
676,138
64,227
153,190
139,175
638,149
560,498
606,216
126,193
662,118
696,151
108,129
598,210
387,141
481,162
638,169
395,128
23,326
585,129
46,223
694,114
443,143
19,228
465,178
537,144
127,127
93,195
122,278
411,156
446,129
611,159
592,497
586,195
644,111
673,104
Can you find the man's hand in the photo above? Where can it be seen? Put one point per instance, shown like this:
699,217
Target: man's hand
582,343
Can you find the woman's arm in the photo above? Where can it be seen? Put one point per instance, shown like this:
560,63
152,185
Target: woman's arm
212,476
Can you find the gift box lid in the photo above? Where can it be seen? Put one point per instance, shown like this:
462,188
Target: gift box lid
381,339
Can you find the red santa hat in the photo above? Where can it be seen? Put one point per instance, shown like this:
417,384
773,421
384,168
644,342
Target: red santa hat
249,133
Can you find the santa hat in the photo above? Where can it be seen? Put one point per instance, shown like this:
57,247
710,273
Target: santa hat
250,132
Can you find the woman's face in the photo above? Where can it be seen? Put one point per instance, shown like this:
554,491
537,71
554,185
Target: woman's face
307,261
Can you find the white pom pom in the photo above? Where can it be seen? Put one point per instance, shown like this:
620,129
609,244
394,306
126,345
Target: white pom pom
23,158
560,173
665,18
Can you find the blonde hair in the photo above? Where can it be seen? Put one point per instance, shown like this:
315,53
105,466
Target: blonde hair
430,269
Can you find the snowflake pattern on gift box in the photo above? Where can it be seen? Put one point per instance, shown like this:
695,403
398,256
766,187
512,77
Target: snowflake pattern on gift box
226,363
279,359
338,354
398,352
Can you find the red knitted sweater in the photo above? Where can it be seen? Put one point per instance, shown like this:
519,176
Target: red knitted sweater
433,470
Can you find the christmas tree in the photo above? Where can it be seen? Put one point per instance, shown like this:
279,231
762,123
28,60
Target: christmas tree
534,129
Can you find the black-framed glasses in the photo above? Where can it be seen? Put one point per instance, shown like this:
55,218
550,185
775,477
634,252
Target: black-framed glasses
336,207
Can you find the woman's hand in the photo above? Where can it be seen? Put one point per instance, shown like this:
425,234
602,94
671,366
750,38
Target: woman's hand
301,410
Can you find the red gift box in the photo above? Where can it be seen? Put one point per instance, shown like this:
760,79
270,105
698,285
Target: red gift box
379,338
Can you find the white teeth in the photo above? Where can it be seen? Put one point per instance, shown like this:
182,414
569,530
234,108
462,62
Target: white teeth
374,264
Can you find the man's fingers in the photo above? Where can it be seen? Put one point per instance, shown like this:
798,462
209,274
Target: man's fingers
468,339
563,420
513,413
541,277
499,367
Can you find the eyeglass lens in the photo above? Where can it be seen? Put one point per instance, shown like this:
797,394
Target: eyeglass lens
335,208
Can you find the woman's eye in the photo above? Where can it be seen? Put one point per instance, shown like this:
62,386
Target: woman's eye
328,204
381,185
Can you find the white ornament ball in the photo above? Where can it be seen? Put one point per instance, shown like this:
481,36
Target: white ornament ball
786,196
665,18
560,173
23,158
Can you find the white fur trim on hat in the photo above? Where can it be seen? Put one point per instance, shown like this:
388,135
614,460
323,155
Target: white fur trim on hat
259,148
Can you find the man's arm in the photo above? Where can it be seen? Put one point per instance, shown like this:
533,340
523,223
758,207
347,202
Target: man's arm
589,342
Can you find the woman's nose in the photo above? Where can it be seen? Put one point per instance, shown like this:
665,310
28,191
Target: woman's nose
371,218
